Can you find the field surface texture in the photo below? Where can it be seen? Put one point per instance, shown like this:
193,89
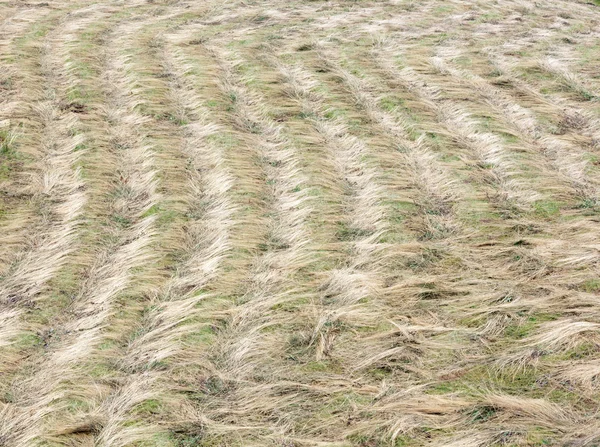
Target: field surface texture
345,223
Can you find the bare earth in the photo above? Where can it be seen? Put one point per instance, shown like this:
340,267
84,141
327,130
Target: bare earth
300,223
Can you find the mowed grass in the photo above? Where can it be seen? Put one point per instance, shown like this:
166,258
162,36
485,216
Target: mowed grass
283,223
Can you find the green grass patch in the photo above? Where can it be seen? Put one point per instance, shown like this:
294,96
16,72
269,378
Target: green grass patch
78,95
121,221
202,336
225,140
150,406
317,366
482,413
7,147
524,382
28,341
579,352
164,217
539,437
153,210
546,208
380,440
591,285
8,153
100,370
74,406
335,113
347,233
525,328
390,103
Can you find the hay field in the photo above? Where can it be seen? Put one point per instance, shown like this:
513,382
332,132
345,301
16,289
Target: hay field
344,223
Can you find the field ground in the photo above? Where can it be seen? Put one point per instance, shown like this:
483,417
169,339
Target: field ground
300,223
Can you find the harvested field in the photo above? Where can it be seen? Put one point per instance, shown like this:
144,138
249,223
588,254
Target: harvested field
345,223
